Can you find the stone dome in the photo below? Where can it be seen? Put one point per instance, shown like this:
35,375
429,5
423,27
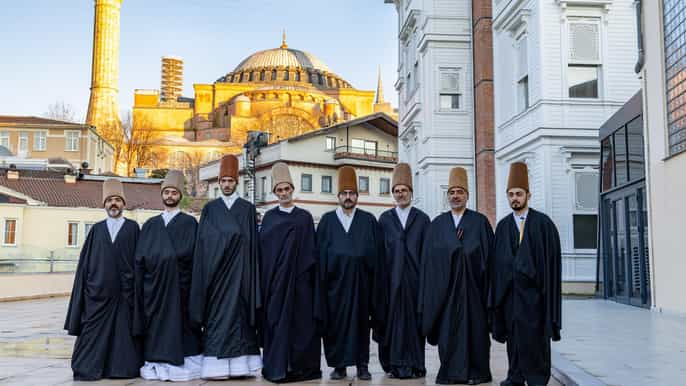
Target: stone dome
282,57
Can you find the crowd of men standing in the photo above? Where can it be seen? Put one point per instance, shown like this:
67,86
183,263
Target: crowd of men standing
179,299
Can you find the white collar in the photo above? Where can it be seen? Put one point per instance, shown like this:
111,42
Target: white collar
115,221
345,219
230,200
457,218
404,211
114,225
287,210
168,215
518,218
403,214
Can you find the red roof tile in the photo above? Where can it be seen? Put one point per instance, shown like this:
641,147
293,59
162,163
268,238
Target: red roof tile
53,190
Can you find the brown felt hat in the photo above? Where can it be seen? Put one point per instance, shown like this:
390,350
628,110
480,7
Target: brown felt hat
228,167
281,174
458,179
519,176
402,175
347,179
174,179
112,187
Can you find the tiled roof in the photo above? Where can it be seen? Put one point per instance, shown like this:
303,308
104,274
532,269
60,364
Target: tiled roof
50,187
33,120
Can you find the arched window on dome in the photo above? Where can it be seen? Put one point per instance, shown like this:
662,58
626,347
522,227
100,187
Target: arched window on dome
297,76
285,75
251,77
273,74
242,77
312,77
262,75
321,79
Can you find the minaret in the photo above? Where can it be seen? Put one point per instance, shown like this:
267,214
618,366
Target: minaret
283,41
380,105
103,106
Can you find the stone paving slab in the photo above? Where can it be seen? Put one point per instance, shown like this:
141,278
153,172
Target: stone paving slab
34,350
623,345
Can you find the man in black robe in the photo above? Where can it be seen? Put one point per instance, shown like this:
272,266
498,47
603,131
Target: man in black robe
454,288
526,286
225,289
398,332
164,265
289,282
349,243
100,310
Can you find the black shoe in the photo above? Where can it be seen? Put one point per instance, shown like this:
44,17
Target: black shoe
338,373
363,373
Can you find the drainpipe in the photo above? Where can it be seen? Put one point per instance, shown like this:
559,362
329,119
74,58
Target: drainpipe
639,38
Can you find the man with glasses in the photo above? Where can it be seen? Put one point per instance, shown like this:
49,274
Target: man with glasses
401,344
349,245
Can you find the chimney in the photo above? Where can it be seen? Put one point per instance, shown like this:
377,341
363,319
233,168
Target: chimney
13,174
69,179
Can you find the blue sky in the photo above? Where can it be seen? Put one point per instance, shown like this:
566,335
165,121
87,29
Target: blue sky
45,45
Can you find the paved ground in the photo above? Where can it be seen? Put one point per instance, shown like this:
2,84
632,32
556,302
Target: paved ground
35,351
623,345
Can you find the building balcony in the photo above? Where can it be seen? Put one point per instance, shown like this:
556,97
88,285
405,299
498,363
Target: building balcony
361,153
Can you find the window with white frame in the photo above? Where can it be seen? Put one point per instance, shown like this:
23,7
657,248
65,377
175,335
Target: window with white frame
384,186
449,89
585,215
71,140
306,182
72,234
40,140
23,144
363,184
5,139
87,228
326,184
522,73
584,62
10,232
363,146
330,143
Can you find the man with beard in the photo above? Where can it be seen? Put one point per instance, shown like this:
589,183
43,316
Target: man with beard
349,245
401,344
454,290
164,265
225,289
102,300
292,350
526,286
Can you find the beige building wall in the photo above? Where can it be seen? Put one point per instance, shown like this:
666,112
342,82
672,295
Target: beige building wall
43,230
666,177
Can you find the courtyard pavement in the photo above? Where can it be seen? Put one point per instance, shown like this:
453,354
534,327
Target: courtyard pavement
34,350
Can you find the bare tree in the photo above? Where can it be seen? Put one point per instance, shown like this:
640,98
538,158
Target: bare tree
61,111
137,151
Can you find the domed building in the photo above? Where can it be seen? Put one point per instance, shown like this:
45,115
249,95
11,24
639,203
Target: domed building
282,91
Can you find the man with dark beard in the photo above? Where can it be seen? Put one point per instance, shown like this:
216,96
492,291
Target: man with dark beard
102,300
349,242
225,288
164,265
454,288
292,349
526,286
401,343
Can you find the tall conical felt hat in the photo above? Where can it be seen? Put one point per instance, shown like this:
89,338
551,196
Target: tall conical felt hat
174,179
112,187
402,175
519,176
458,178
281,174
228,167
347,179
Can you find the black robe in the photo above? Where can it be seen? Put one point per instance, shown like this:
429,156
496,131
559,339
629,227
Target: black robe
454,295
526,294
164,265
100,310
346,263
292,348
225,288
398,332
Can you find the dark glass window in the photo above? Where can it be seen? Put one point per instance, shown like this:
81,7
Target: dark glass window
306,183
274,75
634,133
585,231
675,68
326,184
620,157
363,184
607,165
583,81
